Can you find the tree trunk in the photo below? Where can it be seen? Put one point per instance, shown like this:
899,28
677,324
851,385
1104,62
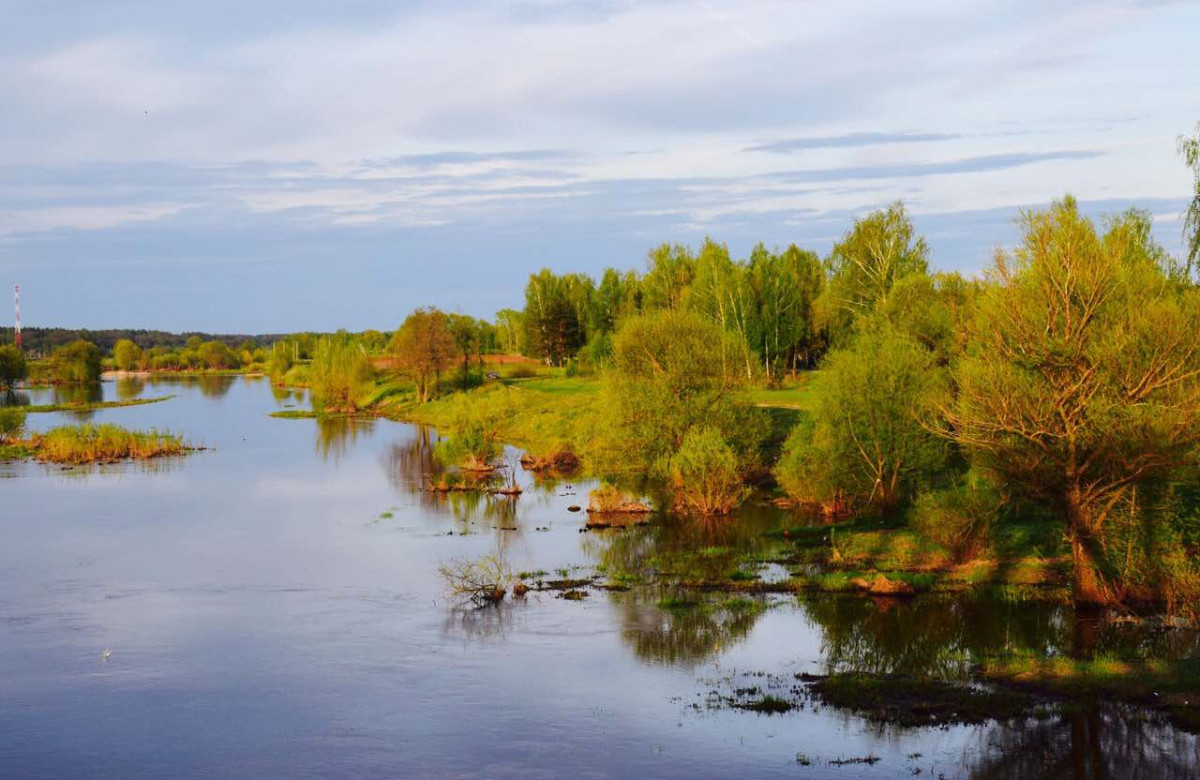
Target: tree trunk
1091,588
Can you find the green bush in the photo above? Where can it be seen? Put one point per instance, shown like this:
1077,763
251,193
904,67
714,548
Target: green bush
959,518
12,422
867,437
705,474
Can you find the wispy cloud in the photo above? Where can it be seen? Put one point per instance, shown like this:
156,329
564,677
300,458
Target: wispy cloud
848,140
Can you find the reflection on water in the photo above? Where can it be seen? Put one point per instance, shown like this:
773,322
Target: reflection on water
130,388
1096,741
12,397
78,395
336,435
286,582
681,628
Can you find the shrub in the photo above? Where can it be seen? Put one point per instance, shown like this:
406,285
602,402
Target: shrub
959,518
12,423
473,433
866,436
610,499
705,475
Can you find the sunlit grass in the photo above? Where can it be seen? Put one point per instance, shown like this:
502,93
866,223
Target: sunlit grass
78,444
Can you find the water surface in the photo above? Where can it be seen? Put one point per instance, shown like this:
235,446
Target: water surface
247,611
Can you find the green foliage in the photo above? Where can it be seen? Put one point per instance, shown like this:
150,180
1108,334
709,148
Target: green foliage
127,356
217,355
959,518
705,474
866,438
865,265
12,423
340,375
79,361
1189,149
279,362
13,367
1082,379
670,270
473,430
553,329
673,371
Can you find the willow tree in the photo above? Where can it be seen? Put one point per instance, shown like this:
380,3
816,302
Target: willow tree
340,374
1082,378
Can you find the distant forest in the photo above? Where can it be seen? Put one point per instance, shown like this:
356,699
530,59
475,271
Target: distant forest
42,340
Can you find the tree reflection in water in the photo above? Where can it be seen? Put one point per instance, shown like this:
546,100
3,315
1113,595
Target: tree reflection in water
1101,741
78,395
214,385
943,636
684,636
130,388
336,435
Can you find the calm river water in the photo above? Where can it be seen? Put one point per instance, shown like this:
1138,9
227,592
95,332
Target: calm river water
249,611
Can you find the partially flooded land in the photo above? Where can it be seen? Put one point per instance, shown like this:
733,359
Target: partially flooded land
279,607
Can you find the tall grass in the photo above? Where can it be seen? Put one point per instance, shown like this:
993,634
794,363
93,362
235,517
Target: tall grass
103,443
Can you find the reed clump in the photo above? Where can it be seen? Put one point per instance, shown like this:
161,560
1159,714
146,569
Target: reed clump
87,443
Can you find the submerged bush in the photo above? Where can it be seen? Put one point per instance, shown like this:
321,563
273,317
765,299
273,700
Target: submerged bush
610,499
13,366
12,423
101,443
705,474
959,518
481,582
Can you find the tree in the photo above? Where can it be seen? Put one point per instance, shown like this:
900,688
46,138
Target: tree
880,249
553,331
866,439
423,348
339,375
13,367
669,375
1082,380
79,361
127,355
464,331
510,331
1189,148
670,271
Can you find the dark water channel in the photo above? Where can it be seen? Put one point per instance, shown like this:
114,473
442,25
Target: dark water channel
248,611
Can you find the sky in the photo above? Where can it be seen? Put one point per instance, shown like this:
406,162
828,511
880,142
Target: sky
287,165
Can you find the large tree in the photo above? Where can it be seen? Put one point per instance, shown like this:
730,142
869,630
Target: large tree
423,348
1082,378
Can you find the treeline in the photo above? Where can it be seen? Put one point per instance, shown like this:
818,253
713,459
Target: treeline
40,341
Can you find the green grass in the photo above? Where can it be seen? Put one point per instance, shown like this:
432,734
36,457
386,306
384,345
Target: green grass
791,394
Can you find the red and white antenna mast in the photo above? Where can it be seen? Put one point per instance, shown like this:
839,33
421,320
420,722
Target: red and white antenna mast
17,303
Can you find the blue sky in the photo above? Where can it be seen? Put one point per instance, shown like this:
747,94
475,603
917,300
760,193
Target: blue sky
274,166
